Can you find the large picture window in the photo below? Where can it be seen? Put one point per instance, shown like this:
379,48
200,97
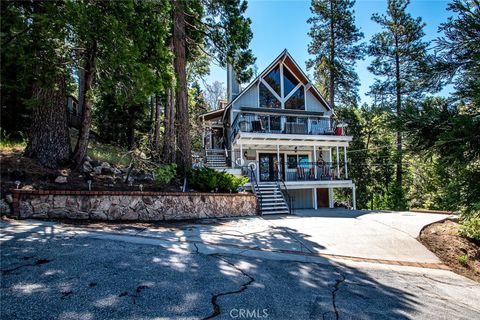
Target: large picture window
273,79
289,82
267,98
296,101
270,93
294,161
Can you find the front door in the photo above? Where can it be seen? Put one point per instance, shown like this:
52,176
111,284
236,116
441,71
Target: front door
269,166
322,198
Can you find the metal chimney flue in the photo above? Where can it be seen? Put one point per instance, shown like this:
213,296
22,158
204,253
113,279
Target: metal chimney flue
233,87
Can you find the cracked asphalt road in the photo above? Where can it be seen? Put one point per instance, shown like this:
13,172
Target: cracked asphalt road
50,275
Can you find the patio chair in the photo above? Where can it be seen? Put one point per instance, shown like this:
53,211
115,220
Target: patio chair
257,126
300,173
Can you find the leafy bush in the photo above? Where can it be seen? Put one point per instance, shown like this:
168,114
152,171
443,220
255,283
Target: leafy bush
206,180
463,260
470,228
164,174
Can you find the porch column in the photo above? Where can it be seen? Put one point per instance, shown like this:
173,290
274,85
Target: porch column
338,164
354,198
232,162
315,162
241,151
345,157
330,198
315,204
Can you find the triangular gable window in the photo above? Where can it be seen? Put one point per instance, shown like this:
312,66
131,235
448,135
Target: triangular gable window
273,79
271,94
289,81
267,99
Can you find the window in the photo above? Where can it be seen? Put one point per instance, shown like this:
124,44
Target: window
296,101
294,161
267,99
289,82
273,79
271,123
270,93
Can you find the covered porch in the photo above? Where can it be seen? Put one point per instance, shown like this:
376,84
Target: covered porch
292,158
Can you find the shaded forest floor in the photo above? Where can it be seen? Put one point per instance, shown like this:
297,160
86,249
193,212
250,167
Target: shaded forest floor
15,167
459,253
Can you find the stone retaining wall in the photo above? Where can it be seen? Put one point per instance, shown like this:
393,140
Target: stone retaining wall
139,206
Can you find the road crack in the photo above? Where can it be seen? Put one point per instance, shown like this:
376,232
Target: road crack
243,287
39,262
336,287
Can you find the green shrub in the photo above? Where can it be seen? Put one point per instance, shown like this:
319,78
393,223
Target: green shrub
463,260
206,180
164,174
470,227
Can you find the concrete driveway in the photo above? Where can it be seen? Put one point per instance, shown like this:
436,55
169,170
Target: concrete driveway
203,271
365,234
335,233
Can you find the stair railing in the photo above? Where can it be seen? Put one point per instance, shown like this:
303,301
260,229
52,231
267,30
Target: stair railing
258,195
290,199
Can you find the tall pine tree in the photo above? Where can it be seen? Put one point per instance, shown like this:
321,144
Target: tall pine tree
336,49
224,34
48,139
400,56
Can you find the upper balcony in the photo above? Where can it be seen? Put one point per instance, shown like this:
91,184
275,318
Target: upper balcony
276,124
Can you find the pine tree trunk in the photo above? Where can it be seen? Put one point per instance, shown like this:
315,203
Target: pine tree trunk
399,111
169,145
49,139
85,106
157,125
184,154
331,91
131,128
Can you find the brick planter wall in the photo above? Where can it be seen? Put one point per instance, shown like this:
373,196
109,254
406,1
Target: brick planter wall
130,205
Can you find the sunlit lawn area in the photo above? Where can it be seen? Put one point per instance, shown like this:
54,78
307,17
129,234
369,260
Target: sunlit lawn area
97,151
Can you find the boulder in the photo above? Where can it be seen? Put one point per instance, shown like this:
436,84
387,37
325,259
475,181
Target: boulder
107,168
61,179
4,207
9,198
95,163
98,170
87,167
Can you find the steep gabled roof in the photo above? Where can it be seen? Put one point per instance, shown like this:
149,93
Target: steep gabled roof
295,68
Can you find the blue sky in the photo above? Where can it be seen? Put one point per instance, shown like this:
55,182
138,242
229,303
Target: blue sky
280,24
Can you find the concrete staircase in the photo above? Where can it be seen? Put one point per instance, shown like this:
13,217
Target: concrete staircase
216,159
271,198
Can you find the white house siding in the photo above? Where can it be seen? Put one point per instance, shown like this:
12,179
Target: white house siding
303,198
314,105
248,98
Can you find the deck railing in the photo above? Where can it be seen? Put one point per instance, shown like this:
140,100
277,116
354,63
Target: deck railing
284,124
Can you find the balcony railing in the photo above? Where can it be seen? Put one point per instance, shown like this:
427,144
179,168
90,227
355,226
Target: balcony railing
320,171
284,124
316,171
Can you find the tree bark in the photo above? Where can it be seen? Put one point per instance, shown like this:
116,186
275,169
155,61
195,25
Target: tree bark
49,139
184,151
131,128
399,111
332,58
157,125
85,105
169,145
